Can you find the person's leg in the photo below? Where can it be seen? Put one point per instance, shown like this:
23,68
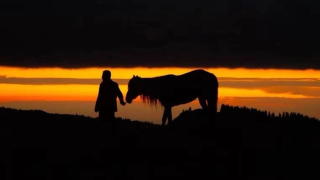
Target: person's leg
110,118
113,123
102,116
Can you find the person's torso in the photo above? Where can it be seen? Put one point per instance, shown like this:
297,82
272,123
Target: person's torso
108,94
109,89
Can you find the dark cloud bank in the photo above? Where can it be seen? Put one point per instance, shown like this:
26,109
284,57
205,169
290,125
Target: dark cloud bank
308,87
223,82
199,33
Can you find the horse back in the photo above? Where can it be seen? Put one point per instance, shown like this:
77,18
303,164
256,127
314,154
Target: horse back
197,79
179,89
199,76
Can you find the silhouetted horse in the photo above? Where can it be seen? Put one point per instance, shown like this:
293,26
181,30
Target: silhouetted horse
172,90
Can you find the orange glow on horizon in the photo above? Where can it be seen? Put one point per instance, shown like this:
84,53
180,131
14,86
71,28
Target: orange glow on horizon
46,98
13,92
262,94
68,92
127,73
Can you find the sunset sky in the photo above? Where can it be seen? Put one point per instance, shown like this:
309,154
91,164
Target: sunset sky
73,91
265,53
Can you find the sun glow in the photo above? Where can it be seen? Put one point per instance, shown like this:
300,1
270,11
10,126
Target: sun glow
13,92
126,73
77,92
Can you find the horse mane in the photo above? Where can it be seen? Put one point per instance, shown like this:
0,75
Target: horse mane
148,96
151,89
149,99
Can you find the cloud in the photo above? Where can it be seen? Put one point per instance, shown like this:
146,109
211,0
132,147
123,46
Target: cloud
256,83
99,33
185,55
297,86
253,83
54,81
302,90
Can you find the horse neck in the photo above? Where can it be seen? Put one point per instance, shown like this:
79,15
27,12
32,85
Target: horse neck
149,86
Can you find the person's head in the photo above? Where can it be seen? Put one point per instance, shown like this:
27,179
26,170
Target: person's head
106,75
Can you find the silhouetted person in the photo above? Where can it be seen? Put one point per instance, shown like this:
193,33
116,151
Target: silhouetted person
106,103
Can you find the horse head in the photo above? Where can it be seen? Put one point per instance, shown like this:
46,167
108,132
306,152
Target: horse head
134,88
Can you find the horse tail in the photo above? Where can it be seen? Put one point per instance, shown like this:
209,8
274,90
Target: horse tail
216,93
216,97
213,93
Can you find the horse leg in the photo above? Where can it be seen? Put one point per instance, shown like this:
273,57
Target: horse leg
202,102
211,95
212,104
169,115
164,117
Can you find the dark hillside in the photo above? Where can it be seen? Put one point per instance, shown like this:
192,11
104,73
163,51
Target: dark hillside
237,142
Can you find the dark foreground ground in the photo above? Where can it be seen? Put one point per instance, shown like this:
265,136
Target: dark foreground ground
239,142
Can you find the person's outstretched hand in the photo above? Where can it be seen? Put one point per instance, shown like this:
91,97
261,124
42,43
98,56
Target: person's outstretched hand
123,103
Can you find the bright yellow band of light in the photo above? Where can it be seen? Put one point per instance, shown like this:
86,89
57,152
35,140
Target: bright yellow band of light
14,92
127,73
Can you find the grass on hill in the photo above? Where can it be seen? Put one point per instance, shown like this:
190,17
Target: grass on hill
236,142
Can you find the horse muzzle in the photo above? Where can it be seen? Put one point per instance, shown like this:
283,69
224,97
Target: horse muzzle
129,101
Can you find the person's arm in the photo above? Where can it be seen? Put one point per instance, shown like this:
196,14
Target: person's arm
97,107
120,96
